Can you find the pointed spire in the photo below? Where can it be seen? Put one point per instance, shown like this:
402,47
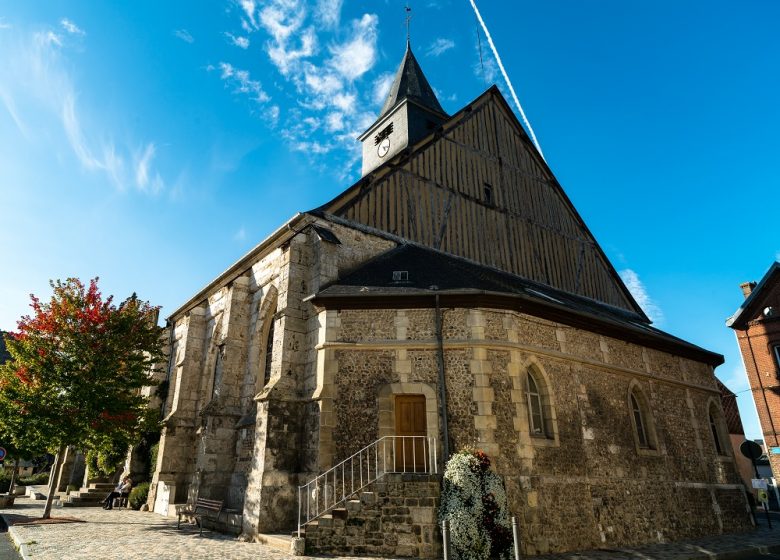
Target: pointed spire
410,83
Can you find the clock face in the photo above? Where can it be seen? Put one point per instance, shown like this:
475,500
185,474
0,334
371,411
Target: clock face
383,148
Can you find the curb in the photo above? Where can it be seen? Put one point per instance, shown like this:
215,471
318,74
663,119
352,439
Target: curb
751,551
24,551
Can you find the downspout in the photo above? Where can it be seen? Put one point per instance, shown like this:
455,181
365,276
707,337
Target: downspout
761,384
442,380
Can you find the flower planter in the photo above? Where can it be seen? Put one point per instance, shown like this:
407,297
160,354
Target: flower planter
20,490
6,501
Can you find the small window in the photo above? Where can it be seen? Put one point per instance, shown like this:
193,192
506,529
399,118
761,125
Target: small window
639,422
269,353
535,409
218,364
716,430
488,194
644,432
400,276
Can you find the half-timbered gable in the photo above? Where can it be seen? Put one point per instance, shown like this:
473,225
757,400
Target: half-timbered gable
476,187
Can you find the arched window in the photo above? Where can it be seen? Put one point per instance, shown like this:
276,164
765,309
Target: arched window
269,353
716,429
641,419
218,364
537,422
639,422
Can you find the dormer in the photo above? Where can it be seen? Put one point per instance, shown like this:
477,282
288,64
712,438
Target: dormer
410,112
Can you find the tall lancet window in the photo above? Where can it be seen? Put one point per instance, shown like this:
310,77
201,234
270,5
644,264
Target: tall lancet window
269,353
535,409
639,422
218,364
717,430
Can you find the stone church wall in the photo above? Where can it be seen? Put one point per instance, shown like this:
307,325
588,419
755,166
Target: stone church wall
588,484
234,434
240,423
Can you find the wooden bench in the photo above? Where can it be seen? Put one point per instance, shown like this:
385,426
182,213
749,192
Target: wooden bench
202,508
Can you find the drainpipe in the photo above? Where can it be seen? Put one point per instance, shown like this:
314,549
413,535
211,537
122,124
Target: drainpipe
442,380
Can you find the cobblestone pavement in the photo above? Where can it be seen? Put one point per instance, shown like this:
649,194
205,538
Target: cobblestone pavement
123,535
134,535
724,547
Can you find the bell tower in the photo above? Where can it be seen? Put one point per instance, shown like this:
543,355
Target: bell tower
410,112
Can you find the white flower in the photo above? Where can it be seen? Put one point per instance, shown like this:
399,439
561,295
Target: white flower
465,485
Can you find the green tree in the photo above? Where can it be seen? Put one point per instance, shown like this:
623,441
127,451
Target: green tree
78,364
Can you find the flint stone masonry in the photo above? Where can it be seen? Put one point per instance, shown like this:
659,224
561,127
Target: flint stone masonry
229,432
254,411
586,484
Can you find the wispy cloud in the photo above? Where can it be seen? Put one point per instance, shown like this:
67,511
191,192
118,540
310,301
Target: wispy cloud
357,55
75,136
10,106
638,290
39,93
243,82
239,41
328,12
736,379
321,60
240,235
381,87
184,35
144,179
249,7
439,47
71,27
49,38
4,24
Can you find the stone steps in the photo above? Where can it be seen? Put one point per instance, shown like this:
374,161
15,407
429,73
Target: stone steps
91,496
396,516
278,541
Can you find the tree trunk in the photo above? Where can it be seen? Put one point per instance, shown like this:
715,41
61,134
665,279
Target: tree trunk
53,481
14,474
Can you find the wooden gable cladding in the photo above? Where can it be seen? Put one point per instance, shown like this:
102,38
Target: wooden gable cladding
435,195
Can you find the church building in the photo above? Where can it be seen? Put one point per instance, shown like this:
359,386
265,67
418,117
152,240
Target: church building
452,297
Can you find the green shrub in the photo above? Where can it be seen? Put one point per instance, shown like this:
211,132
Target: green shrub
5,480
34,479
138,495
72,488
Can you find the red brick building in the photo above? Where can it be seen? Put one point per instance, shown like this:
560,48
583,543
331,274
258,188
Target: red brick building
757,326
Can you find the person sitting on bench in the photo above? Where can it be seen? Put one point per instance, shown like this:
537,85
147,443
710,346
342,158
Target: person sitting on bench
122,490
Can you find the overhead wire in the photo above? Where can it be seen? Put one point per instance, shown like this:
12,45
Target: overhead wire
506,78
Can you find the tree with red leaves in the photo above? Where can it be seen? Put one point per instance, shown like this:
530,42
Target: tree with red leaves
77,366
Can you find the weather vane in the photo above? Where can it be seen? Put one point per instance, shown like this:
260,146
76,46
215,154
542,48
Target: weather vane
408,20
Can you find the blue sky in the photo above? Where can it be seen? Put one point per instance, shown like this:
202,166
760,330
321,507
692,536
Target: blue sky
154,143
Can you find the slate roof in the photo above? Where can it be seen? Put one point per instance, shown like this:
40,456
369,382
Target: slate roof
459,281
410,83
750,306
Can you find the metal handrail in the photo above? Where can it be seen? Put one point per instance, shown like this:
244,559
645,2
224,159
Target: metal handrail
387,455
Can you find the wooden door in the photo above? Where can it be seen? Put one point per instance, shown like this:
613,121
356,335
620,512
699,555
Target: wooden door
411,420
